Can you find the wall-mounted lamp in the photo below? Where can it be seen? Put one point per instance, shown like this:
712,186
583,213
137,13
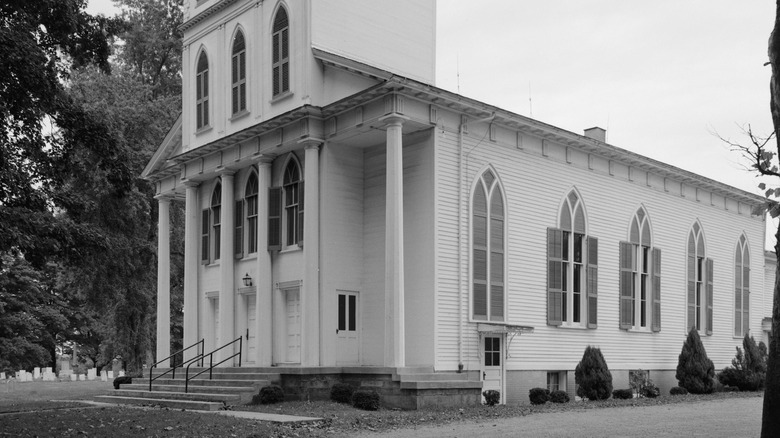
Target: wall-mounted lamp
247,280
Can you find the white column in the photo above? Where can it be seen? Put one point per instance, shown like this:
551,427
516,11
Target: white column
264,280
163,280
226,272
394,246
310,298
191,263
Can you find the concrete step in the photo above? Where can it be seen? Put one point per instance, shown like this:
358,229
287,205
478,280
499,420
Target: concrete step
223,374
169,403
192,388
434,377
231,398
202,382
441,384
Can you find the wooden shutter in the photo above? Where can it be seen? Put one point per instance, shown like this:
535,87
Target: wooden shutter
299,234
274,218
554,276
626,284
691,289
709,290
205,226
238,242
592,281
746,299
656,271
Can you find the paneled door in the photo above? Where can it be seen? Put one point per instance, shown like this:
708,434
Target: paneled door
493,368
347,328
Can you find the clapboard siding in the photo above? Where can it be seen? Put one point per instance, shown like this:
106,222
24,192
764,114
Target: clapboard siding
612,192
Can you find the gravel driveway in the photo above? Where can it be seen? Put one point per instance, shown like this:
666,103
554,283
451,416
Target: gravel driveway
739,417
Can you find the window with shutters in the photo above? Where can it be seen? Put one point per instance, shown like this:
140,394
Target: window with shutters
238,76
742,288
250,203
699,284
202,92
487,238
640,277
280,51
572,275
216,210
285,211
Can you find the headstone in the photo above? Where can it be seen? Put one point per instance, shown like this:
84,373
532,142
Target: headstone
92,374
73,377
48,376
110,374
47,370
20,376
82,377
36,373
116,366
2,376
121,373
104,376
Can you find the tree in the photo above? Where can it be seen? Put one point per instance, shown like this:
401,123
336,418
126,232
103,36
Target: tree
695,371
748,368
593,376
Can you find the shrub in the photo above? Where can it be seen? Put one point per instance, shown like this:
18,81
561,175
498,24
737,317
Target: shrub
539,396
269,395
341,393
748,370
122,380
368,400
593,376
492,397
695,371
559,397
650,391
623,394
678,390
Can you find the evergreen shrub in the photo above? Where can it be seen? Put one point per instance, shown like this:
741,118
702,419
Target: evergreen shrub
650,391
593,376
492,397
559,397
539,396
368,400
122,380
342,393
622,394
678,390
748,369
269,395
695,371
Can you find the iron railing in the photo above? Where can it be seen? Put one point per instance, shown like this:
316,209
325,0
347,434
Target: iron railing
210,369
172,370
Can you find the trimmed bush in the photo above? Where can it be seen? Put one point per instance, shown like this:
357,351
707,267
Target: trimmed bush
368,400
342,393
122,380
593,376
269,395
559,397
492,397
748,370
623,394
678,390
539,396
650,391
695,371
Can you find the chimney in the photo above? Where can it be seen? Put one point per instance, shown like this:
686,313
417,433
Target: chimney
596,133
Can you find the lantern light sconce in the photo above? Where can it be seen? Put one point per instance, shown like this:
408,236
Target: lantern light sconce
247,280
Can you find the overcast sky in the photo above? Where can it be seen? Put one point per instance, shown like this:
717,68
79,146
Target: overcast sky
661,76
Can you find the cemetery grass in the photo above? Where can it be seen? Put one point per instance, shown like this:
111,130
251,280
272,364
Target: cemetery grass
32,409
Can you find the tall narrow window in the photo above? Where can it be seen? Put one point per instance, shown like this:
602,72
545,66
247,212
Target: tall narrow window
202,92
280,40
700,271
572,276
250,198
640,276
742,288
293,205
238,66
487,234
216,207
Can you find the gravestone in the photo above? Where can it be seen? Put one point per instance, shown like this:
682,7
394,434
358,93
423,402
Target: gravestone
104,376
73,377
110,374
36,373
82,377
92,374
121,373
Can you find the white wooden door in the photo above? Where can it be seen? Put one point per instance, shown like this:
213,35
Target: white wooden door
347,328
493,368
293,304
251,329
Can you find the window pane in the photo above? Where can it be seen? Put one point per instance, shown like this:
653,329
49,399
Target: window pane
342,312
578,239
480,231
496,234
352,313
480,264
497,267
480,300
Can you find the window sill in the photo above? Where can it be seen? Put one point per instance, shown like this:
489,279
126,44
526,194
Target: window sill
291,248
281,96
640,330
211,264
573,327
203,130
239,115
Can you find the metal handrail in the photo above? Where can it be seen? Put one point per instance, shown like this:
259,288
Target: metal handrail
172,370
210,369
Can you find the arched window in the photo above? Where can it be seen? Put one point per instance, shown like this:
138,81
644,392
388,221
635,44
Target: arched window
640,277
216,209
293,202
700,272
572,277
250,198
280,40
487,234
202,91
238,66
742,288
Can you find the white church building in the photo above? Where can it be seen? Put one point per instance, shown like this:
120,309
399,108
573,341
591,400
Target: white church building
344,216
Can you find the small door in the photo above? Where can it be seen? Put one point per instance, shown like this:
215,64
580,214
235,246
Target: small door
293,305
346,328
251,329
493,368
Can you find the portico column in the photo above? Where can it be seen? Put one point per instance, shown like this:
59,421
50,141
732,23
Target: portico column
226,272
191,263
264,307
394,245
163,280
310,300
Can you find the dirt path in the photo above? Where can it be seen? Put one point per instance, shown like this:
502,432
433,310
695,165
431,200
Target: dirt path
739,417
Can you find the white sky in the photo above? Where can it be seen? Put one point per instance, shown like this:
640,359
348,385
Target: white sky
661,76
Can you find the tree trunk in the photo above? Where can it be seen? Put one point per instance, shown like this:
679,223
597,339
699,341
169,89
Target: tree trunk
770,421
